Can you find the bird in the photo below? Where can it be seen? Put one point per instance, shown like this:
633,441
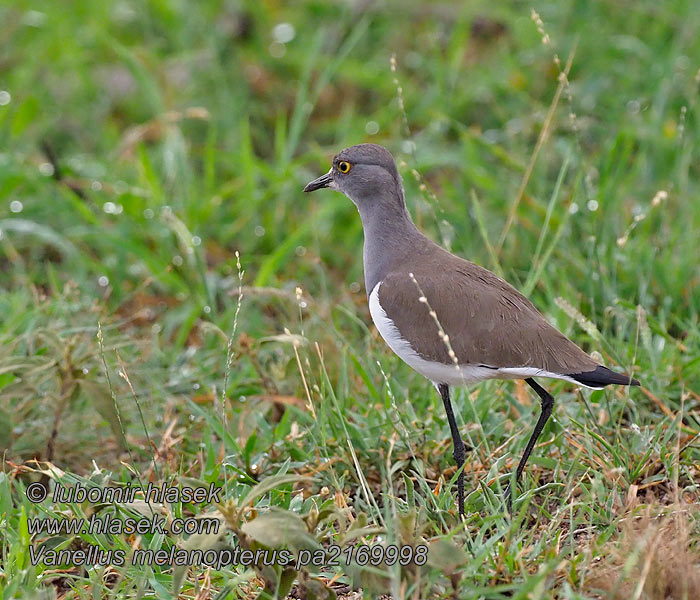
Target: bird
451,320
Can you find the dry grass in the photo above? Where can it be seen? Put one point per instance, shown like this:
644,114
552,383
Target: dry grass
655,558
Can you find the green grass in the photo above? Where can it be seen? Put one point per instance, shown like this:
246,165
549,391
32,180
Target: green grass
183,135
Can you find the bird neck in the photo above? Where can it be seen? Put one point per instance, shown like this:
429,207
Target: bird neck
390,236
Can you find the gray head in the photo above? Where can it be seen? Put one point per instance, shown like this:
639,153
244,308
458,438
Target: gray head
366,174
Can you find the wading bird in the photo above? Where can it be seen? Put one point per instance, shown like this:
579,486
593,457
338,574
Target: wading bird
451,320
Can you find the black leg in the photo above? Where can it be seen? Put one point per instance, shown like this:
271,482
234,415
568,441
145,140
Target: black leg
547,401
457,442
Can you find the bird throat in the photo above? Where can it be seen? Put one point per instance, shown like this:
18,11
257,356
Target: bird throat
390,236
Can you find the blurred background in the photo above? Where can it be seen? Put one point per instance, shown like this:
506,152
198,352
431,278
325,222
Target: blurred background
144,145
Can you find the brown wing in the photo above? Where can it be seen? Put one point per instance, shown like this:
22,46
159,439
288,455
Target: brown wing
487,320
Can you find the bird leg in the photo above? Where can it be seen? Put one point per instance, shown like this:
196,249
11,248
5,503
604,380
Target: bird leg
458,444
547,401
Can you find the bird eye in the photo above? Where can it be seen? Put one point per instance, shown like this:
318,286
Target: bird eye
344,166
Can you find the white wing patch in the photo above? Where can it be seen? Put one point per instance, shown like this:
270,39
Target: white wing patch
439,372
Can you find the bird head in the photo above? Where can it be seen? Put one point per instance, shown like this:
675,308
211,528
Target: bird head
365,173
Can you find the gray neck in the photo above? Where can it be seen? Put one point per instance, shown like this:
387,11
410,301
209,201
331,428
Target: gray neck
390,235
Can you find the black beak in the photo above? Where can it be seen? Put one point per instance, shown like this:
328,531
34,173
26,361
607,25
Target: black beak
322,182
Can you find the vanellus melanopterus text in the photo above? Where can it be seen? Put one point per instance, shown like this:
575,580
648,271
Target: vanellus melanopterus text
451,320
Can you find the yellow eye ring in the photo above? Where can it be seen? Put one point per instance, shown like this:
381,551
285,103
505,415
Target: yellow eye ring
344,166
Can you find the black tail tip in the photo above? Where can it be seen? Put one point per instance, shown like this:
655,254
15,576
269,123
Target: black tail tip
602,376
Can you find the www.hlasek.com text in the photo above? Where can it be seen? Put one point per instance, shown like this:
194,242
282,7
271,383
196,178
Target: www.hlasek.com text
112,525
